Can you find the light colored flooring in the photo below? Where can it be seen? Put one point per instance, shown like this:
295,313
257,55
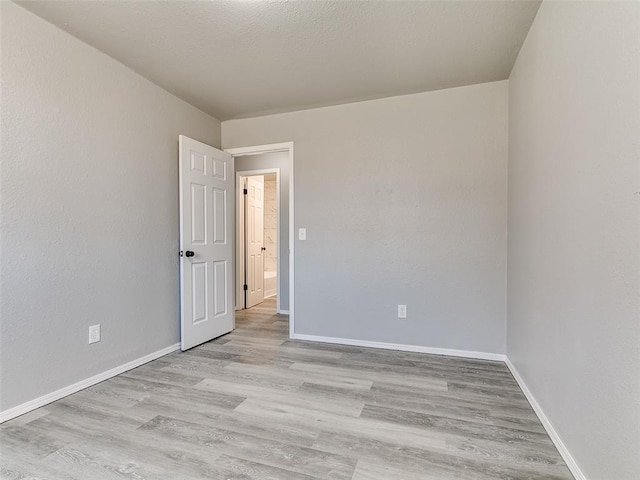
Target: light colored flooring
254,405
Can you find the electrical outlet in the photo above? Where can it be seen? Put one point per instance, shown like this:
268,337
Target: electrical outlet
302,234
94,333
402,311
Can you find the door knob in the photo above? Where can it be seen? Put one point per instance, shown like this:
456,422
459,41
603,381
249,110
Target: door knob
189,253
263,248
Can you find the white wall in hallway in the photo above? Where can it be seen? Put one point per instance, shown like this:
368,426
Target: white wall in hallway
270,223
270,234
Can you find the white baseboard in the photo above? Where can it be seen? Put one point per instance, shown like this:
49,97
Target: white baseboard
270,293
283,312
546,423
405,348
76,387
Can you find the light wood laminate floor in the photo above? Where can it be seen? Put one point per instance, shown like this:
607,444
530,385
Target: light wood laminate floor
253,405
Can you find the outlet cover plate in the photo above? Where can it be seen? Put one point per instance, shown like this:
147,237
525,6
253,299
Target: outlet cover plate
94,333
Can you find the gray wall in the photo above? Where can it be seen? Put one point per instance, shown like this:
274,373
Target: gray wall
275,160
89,213
404,201
574,228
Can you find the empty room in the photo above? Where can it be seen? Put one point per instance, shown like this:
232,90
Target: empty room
320,240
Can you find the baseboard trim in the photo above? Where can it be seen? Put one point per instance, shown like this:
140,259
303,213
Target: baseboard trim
270,293
283,312
76,387
546,423
404,348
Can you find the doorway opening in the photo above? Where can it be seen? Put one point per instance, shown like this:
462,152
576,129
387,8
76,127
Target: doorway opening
258,236
256,167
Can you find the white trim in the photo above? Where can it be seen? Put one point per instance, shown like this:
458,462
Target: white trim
405,348
76,387
284,312
269,294
258,149
280,147
546,423
238,254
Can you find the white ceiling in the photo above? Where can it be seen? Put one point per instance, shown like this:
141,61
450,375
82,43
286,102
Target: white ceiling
236,59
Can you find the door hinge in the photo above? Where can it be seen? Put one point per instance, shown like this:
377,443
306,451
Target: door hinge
246,287
181,253
245,191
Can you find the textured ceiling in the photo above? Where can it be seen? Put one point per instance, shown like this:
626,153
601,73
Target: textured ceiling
245,58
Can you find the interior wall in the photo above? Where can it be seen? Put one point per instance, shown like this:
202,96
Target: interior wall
270,222
404,201
270,232
89,210
574,229
275,160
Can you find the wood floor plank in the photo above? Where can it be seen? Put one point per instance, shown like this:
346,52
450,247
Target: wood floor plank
255,405
288,353
278,375
29,441
342,369
371,470
437,405
346,406
231,468
268,452
452,426
452,397
131,446
255,425
443,462
337,423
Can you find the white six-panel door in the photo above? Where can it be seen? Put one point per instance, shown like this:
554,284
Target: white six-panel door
254,233
206,242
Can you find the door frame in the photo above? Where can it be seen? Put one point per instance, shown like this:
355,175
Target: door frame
240,235
270,148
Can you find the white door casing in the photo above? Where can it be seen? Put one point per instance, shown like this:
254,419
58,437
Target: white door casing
206,242
254,235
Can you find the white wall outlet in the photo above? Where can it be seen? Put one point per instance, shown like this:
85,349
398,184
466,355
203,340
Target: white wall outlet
94,333
302,234
402,311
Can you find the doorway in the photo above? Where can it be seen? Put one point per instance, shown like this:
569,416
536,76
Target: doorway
258,235
266,160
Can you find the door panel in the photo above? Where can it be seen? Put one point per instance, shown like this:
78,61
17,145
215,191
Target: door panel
219,216
220,305
255,241
199,292
206,279
198,214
